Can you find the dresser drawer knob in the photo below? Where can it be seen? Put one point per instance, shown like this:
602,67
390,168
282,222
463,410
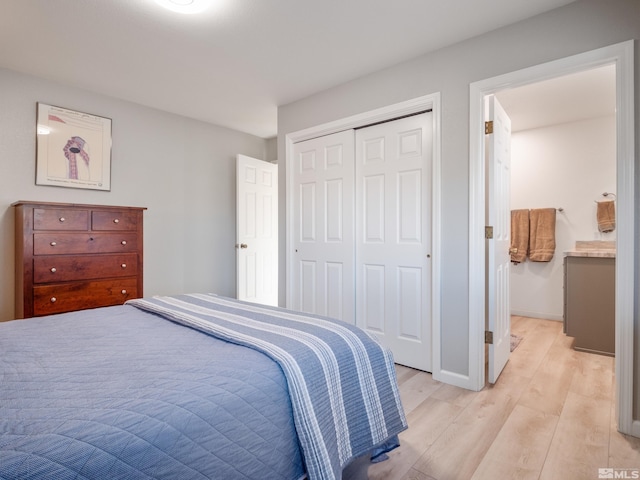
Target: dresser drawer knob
62,219
54,299
124,292
54,269
115,220
123,242
53,244
124,265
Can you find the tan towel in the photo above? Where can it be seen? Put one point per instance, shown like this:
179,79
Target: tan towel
519,235
606,215
542,234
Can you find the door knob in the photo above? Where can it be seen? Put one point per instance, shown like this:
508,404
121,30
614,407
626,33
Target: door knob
243,245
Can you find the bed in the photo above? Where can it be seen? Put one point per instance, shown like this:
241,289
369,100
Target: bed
192,386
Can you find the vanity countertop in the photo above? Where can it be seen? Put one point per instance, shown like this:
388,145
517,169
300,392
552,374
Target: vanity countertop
595,248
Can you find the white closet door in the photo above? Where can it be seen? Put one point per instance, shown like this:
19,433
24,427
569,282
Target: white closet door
393,236
323,182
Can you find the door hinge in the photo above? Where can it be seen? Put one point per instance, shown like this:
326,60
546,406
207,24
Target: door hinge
488,233
488,127
488,337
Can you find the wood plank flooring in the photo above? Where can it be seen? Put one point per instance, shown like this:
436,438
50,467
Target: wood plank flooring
550,416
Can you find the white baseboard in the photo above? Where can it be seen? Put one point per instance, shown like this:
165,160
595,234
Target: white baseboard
544,316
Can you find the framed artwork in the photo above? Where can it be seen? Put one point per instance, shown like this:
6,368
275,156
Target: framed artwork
73,149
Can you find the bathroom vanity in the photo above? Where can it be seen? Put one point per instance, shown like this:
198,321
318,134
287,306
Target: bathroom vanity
589,296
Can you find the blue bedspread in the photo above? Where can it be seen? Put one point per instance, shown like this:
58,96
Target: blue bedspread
341,382
119,393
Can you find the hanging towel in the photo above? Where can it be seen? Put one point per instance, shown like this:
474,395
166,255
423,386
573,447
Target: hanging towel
542,234
519,235
606,215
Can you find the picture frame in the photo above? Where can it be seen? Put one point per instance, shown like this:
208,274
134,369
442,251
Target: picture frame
73,149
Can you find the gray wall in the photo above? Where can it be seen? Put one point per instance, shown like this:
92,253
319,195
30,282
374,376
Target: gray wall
182,170
271,154
576,28
563,166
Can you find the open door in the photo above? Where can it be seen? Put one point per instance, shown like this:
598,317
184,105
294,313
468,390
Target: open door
498,177
257,230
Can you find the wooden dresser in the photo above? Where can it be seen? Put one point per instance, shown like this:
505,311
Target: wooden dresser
71,256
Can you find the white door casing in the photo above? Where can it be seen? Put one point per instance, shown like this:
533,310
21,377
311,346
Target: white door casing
622,55
413,106
498,303
257,230
376,182
393,236
323,226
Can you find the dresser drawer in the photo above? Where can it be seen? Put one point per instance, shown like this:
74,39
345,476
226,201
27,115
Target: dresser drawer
60,219
70,243
58,268
114,220
67,297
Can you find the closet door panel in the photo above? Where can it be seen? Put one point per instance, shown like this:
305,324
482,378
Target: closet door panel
324,226
335,288
409,313
393,236
373,208
373,298
409,228
307,220
307,302
333,209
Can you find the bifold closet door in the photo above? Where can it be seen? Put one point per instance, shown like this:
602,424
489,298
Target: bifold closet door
323,226
393,236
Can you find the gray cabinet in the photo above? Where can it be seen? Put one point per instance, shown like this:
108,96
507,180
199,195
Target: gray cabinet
589,303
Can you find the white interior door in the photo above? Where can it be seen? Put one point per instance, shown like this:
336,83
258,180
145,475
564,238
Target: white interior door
323,182
393,236
257,230
498,213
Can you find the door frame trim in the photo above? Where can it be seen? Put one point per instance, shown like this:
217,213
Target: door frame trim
622,55
390,112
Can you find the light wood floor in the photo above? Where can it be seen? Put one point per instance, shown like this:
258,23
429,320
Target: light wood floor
550,416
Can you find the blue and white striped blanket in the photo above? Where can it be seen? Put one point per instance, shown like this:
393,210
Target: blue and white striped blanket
342,383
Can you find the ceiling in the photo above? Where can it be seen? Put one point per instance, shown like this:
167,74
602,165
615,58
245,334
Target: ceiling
236,63
579,96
